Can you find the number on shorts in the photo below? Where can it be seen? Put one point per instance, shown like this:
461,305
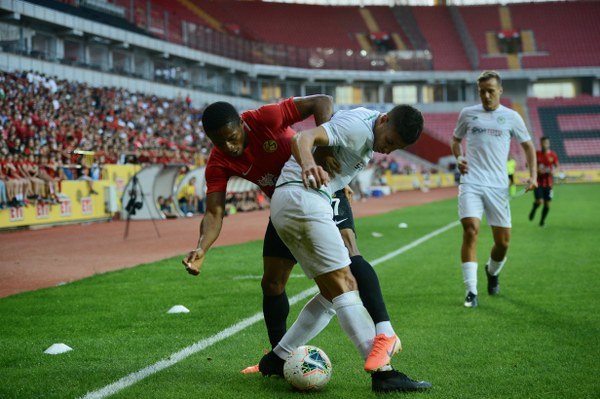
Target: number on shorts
336,205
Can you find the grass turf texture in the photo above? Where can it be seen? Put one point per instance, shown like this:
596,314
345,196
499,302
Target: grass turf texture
538,339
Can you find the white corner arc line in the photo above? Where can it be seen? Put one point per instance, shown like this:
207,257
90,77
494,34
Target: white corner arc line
176,357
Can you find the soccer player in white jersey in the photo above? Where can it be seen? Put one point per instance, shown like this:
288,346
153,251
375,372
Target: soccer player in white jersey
302,215
488,129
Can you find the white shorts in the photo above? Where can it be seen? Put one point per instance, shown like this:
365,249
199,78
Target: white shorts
474,200
303,219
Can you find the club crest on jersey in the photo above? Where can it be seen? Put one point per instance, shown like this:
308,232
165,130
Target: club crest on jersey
270,146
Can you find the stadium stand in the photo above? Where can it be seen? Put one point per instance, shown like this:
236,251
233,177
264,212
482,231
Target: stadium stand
573,126
237,29
444,42
566,34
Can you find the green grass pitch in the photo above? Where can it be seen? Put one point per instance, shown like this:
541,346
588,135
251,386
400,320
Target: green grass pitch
539,339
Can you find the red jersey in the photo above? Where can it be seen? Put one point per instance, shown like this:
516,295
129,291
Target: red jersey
269,147
547,161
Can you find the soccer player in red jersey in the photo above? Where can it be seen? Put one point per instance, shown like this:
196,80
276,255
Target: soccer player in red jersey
255,145
547,161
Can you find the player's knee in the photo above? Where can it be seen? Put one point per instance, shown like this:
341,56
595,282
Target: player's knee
470,233
502,243
272,286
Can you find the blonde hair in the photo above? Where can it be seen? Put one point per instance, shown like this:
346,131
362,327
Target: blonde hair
487,75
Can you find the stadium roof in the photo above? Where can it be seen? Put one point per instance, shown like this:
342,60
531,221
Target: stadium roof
405,2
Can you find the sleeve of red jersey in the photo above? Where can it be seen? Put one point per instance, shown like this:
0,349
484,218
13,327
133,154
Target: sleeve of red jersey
216,179
273,115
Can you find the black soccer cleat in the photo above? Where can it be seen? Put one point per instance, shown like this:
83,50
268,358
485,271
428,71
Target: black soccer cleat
395,381
493,283
271,364
471,300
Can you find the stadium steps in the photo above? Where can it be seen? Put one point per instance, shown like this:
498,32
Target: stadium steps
369,20
200,13
465,37
505,18
528,41
444,41
365,43
406,20
513,61
491,43
398,42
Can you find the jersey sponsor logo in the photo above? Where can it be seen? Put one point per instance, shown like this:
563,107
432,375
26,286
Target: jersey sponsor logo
270,146
481,130
340,221
267,180
248,171
359,166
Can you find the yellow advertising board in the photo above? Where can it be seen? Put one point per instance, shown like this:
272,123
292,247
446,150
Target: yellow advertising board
76,205
567,176
418,181
119,175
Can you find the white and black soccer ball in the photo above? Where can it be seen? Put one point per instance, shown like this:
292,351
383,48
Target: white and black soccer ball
307,368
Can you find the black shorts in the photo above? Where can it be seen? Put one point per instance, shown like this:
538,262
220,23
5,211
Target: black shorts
342,216
273,246
342,211
544,193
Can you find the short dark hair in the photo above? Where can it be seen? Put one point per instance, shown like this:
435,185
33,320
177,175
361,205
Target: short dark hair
407,121
217,115
487,75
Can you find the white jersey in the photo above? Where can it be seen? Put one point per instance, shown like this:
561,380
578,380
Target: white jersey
488,135
350,133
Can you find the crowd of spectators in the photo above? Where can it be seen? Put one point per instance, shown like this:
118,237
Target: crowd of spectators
53,129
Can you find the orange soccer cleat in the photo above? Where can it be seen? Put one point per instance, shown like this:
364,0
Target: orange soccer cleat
384,348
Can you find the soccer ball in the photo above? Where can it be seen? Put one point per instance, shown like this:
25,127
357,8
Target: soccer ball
307,368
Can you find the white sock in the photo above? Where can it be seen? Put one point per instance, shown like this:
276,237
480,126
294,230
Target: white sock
495,267
313,318
470,276
355,321
385,327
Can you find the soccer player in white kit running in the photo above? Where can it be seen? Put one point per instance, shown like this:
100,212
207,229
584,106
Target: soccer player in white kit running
488,128
302,215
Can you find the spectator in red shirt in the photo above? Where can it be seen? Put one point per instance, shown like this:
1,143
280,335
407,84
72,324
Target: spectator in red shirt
547,162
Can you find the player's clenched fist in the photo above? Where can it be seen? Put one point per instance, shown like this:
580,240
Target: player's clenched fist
193,262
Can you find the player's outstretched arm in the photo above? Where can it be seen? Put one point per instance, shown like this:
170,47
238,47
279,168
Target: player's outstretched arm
210,228
529,149
318,105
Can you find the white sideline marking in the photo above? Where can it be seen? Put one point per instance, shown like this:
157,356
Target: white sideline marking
176,357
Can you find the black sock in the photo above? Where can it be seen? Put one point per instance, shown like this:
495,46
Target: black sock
545,211
532,213
369,289
276,310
